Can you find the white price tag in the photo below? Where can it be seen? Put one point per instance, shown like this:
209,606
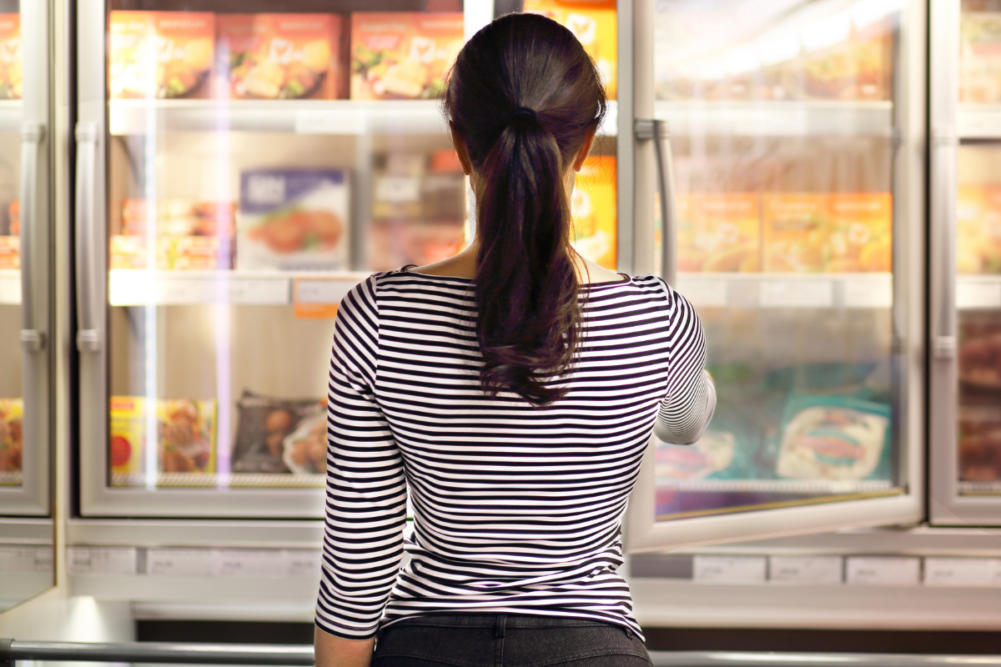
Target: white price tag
398,189
248,563
302,563
25,560
102,560
330,121
978,295
255,291
797,294
880,571
179,562
806,570
703,293
730,569
868,294
309,290
963,572
10,286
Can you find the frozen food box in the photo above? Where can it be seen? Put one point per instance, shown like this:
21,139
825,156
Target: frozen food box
10,255
860,233
719,232
293,220
14,215
403,55
161,54
980,442
593,207
980,353
856,69
186,438
190,235
11,67
278,435
713,453
595,24
980,58
392,244
978,229
282,56
794,233
11,437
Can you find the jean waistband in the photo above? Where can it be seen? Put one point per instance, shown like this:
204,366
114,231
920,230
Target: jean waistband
479,620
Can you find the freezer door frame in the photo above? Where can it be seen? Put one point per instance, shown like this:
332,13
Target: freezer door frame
643,533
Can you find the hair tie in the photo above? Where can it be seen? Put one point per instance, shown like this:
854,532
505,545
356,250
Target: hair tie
521,113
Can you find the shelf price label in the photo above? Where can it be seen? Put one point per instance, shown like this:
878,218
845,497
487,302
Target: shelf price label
797,294
963,572
806,570
26,560
102,560
729,569
883,571
179,562
256,563
317,298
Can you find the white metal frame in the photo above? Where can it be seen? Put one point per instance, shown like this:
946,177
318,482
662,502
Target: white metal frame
642,532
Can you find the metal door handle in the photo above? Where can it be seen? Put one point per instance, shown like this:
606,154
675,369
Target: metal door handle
88,337
657,131
943,230
32,139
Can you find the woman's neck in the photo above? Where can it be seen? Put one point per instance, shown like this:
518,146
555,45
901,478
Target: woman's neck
463,265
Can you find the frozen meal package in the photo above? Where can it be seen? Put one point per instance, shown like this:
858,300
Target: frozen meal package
595,24
593,207
860,233
713,453
292,219
11,68
14,216
979,442
403,55
795,234
161,54
186,437
396,243
719,232
10,254
980,58
282,56
833,437
277,435
980,353
856,69
190,235
978,229
11,435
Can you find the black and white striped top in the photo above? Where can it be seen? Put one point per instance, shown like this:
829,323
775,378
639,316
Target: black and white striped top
517,509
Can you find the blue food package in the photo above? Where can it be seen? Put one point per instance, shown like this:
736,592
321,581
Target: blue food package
724,452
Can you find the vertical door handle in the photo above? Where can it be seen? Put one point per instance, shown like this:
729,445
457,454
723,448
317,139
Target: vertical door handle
32,140
943,230
657,131
88,337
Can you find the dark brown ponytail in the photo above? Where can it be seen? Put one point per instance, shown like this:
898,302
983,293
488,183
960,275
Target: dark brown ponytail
523,96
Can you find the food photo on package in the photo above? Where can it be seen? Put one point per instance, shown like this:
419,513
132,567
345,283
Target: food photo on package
280,435
719,232
11,440
979,441
11,67
980,353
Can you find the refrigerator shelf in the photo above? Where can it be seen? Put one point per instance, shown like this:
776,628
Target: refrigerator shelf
978,292
779,119
10,286
132,287
343,117
786,290
979,121
792,486
187,480
10,116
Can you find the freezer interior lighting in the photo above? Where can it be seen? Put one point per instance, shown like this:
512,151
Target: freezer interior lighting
870,11
742,60
833,29
778,48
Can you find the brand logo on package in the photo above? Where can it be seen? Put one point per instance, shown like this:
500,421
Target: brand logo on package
265,190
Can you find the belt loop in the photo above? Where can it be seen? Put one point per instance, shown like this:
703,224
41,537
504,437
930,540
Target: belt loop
500,625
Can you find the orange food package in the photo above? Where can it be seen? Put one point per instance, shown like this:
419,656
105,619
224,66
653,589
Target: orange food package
795,234
595,24
282,56
860,233
980,58
719,232
593,206
403,55
161,54
11,67
978,229
11,440
10,255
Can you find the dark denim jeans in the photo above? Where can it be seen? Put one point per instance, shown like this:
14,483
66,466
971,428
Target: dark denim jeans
507,640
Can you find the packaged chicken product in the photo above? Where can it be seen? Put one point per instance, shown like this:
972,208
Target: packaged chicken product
161,54
186,438
860,233
978,229
595,24
980,442
980,58
593,207
11,439
277,435
719,232
282,56
11,68
795,233
403,55
10,255
293,220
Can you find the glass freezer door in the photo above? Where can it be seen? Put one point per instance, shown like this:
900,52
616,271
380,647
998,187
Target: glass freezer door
794,228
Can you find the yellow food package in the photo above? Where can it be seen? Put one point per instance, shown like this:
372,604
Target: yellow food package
595,23
186,438
11,69
978,229
11,439
10,253
861,236
795,234
593,207
719,232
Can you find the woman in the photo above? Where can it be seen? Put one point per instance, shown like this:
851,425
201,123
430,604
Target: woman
512,389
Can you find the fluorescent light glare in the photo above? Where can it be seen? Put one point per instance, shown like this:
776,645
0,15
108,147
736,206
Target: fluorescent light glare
834,29
867,12
774,49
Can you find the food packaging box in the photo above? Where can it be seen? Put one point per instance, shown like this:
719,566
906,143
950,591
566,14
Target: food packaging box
277,435
980,353
860,233
712,454
189,235
11,437
392,244
980,58
980,442
14,215
978,229
795,234
595,24
293,220
282,56
185,432
857,69
161,54
179,217
719,232
403,55
10,255
593,207
11,66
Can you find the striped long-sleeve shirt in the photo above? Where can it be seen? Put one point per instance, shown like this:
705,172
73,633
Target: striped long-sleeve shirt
517,509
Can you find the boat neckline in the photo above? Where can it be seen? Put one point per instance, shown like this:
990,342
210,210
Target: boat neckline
406,270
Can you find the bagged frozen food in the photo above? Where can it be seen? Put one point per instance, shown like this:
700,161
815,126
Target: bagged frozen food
11,436
268,433
713,453
980,57
719,232
10,252
403,55
161,54
185,440
282,56
978,229
593,208
304,451
293,220
795,233
11,67
595,24
832,437
979,442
